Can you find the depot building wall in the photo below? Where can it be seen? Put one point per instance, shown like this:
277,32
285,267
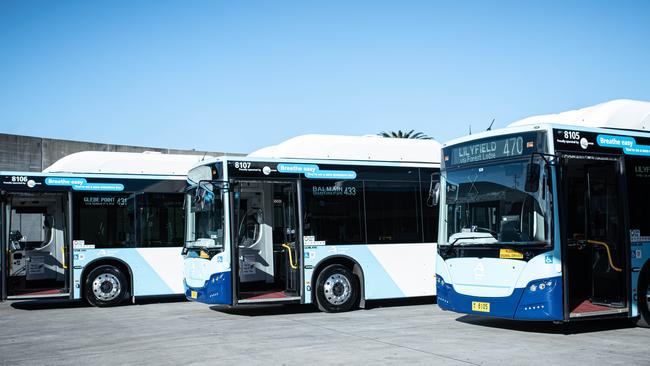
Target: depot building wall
33,154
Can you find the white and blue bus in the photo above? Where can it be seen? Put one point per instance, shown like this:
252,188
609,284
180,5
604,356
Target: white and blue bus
330,220
548,219
99,226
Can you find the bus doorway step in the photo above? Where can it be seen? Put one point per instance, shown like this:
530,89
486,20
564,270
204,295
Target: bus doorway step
587,308
262,295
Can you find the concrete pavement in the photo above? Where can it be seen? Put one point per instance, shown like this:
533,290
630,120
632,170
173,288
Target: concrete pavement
389,332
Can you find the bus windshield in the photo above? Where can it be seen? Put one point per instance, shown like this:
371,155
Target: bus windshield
205,220
495,204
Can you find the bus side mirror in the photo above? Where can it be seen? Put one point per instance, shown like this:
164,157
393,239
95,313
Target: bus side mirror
434,190
436,194
532,177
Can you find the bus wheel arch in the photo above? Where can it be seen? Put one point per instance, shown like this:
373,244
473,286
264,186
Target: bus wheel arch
107,264
642,296
351,265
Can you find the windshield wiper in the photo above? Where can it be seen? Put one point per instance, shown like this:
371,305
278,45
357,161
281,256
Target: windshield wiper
502,244
451,245
520,244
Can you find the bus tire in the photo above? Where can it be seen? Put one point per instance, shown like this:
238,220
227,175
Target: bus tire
337,289
106,286
644,305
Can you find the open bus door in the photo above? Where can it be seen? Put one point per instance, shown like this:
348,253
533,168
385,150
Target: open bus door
266,251
4,234
595,260
36,245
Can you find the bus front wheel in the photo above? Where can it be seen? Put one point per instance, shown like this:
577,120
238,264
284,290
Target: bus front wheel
337,289
105,286
644,299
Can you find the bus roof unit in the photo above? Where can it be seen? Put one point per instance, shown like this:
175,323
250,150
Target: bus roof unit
105,162
623,114
363,148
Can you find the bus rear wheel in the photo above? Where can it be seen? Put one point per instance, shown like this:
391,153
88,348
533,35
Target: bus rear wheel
644,300
337,289
106,286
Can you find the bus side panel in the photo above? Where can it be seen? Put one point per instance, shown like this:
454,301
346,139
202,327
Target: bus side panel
156,271
389,270
640,256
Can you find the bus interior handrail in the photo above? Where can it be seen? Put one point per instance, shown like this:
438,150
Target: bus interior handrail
609,254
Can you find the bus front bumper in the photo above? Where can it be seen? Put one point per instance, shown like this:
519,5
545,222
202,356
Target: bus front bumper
539,300
216,290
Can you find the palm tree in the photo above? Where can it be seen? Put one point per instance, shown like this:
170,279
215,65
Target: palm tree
405,135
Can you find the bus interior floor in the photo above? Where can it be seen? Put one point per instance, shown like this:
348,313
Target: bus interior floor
254,295
588,307
38,292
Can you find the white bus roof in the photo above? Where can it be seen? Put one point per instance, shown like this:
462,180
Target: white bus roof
104,162
361,148
625,114
620,114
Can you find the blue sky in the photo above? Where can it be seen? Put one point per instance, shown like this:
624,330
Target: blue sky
239,75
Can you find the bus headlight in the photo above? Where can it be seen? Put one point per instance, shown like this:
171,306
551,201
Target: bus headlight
440,281
542,285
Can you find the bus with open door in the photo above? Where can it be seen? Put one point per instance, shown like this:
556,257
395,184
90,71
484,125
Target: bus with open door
548,219
326,220
100,226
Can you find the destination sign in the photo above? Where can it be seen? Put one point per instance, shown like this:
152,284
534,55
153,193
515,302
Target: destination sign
493,148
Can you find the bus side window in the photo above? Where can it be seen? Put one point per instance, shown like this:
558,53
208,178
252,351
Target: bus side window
159,220
30,224
638,181
334,211
104,220
392,212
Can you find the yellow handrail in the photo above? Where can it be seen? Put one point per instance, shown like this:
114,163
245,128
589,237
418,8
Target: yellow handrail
293,266
65,266
609,255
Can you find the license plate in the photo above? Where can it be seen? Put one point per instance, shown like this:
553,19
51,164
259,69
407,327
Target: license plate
194,294
483,307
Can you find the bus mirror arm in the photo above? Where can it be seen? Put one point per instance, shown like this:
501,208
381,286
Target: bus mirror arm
532,177
434,190
533,170
549,159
